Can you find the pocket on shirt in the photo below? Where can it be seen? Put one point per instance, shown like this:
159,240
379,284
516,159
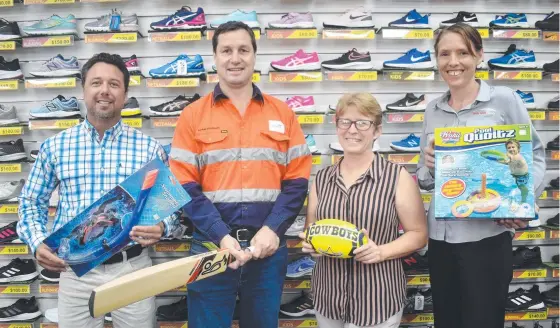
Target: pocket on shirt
276,140
212,149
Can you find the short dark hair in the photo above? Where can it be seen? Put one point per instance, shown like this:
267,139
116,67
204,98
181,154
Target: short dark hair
110,59
230,27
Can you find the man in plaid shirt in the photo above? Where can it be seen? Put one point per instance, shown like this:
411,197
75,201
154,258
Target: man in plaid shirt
85,162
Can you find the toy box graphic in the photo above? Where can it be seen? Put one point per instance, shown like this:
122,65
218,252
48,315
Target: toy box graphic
102,230
484,172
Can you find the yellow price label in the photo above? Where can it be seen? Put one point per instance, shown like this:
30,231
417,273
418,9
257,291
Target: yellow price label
9,85
14,250
58,41
537,116
47,2
6,3
188,36
419,280
316,160
527,35
172,247
423,318
17,289
135,80
133,122
422,34
426,198
21,325
124,37
529,76
65,124
9,209
553,116
531,274
531,235
48,289
10,168
69,83
484,33
11,130
303,34
363,76
188,82
544,195
308,77
256,77
304,284
535,316
311,119
482,75
7,45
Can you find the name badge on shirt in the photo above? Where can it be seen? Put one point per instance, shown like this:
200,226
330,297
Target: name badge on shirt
276,126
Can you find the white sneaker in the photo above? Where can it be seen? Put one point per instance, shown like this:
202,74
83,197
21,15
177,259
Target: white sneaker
296,227
357,17
9,191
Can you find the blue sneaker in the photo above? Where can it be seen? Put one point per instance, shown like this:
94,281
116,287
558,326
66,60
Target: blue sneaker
528,99
300,267
58,107
181,67
54,25
310,141
183,19
510,20
410,143
514,58
413,59
249,18
411,20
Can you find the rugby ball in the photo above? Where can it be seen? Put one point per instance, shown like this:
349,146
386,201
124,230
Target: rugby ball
335,238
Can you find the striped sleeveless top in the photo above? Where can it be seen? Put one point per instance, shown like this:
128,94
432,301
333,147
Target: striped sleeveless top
344,289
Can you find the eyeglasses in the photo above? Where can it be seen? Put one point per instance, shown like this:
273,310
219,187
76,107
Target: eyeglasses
362,125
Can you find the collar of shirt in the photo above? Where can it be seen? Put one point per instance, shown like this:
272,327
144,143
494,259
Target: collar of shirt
484,94
110,133
219,94
372,172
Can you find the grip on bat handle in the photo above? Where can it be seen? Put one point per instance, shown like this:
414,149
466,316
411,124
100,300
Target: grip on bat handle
232,258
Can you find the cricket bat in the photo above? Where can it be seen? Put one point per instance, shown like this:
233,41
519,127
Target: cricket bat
156,279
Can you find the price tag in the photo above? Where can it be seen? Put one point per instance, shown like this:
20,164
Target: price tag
133,122
6,3
529,76
47,2
535,316
411,76
524,75
404,118
172,325
537,116
49,324
530,274
291,323
295,77
484,32
175,36
173,83
291,34
554,234
172,247
65,124
343,34
544,195
311,119
555,195
18,325
553,312
553,116
426,198
550,36
10,168
58,41
111,38
9,85
14,250
404,158
7,45
418,318
555,77
15,289
48,288
420,34
50,83
294,243
135,80
316,160
482,75
164,122
11,130
530,235
9,209
352,76
419,280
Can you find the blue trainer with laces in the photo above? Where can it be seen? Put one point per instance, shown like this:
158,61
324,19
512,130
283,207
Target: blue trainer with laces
310,141
249,18
510,20
300,267
410,143
413,59
514,58
58,107
411,20
527,97
183,66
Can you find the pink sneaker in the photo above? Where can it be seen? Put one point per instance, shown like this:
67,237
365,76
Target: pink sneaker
293,20
301,104
131,64
300,61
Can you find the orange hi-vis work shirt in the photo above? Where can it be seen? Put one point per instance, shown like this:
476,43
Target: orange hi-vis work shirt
241,171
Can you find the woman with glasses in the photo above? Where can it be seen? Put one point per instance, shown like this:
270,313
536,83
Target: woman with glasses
363,188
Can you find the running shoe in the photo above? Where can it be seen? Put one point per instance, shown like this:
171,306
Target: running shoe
413,59
56,108
10,69
8,115
462,17
173,107
177,311
310,141
409,102
552,67
54,25
297,227
300,267
357,17
299,307
9,191
550,23
553,144
58,66
131,107
553,184
527,97
301,104
300,61
294,20
510,20
34,154
18,270
182,19
551,296
113,22
411,20
524,257
9,30
22,310
132,66
51,276
182,66
349,61
523,300
12,151
410,143
8,234
415,262
249,18
514,58
553,104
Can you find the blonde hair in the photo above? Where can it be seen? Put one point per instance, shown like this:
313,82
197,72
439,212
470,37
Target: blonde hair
365,103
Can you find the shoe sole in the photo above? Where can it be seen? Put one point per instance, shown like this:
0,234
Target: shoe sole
48,32
520,25
23,277
299,274
414,108
304,109
11,74
422,65
57,114
8,37
165,114
406,149
473,24
251,24
357,25
130,112
357,65
13,157
9,122
513,66
178,27
303,67
296,25
57,73
122,28
298,314
175,76
410,25
23,317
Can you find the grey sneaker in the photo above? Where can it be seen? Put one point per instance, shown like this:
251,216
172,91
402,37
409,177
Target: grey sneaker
9,191
131,108
114,22
8,115
58,66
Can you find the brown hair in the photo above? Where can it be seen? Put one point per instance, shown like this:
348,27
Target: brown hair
515,142
470,35
364,102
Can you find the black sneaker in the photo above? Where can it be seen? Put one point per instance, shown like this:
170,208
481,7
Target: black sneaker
551,296
108,317
409,102
514,325
10,69
415,262
51,276
552,67
34,154
553,221
550,23
553,184
523,300
555,258
462,17
553,144
349,61
12,151
553,103
9,30
177,311
173,107
18,270
299,307
524,257
8,233
410,301
131,108
22,310
428,303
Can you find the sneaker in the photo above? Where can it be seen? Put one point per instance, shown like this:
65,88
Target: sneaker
553,184
527,97
9,191
108,317
22,310
177,311
300,61
18,270
54,25
297,227
58,66
510,20
553,144
34,154
550,23
249,18
552,67
51,276
310,141
58,107
428,302
294,20
52,315
410,143
514,58
182,66
357,17
553,221
413,59
173,107
300,267
299,307
524,257
350,60
462,17
131,107
12,151
553,103
113,22
523,300
182,19
131,64
415,262
409,102
10,69
8,115
301,104
9,30
551,296
8,233
411,20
